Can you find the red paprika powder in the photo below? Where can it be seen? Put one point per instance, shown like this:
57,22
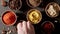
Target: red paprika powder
8,18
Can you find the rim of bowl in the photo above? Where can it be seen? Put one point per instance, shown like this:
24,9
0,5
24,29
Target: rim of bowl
52,4
28,3
37,11
13,13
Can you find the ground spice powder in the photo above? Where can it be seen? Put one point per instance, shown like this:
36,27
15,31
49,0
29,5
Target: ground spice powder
9,18
48,27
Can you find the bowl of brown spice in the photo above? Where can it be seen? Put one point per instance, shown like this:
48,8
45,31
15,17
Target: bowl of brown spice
33,3
15,4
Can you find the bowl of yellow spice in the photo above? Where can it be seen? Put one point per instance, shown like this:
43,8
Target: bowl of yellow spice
34,16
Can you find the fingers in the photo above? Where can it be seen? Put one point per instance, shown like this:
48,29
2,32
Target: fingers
30,28
24,26
29,25
19,26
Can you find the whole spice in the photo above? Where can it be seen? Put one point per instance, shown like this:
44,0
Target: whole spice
15,4
4,32
9,31
8,18
3,3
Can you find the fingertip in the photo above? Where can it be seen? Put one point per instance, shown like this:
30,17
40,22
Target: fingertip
24,24
24,21
19,25
27,21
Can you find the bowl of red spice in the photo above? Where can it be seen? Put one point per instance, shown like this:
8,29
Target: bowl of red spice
9,18
47,27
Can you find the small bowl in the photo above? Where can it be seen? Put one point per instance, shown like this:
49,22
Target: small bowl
36,3
5,22
46,24
56,8
30,16
15,8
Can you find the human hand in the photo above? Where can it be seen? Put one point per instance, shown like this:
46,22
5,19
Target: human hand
25,28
